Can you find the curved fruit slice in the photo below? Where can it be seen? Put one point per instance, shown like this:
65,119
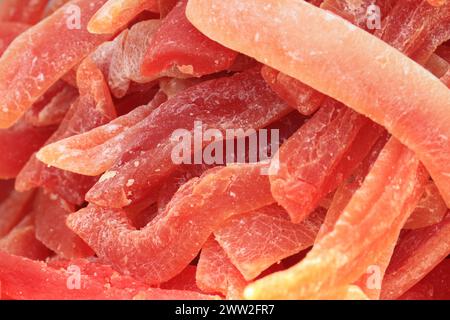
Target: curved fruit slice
216,273
297,28
435,285
24,11
93,108
30,66
116,14
50,213
416,254
177,49
298,95
167,244
17,144
386,198
13,209
8,32
256,240
21,241
430,210
22,279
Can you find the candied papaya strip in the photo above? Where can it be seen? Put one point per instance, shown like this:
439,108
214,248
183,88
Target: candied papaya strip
178,49
52,107
430,210
30,65
216,273
309,157
93,108
298,95
18,143
127,57
416,28
24,11
21,241
435,285
174,238
8,32
24,279
367,84
50,213
13,209
386,198
116,14
256,240
416,254
139,157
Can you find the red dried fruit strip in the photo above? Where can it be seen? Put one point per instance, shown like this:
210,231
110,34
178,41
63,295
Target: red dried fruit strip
17,144
183,281
93,108
116,14
256,240
141,164
175,237
216,273
30,66
22,279
21,241
416,254
53,106
416,28
435,285
430,210
178,49
310,156
13,209
298,95
24,11
50,213
365,83
344,254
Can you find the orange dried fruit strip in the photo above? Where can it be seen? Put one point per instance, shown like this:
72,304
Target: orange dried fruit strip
30,66
94,107
256,240
116,14
216,273
416,254
8,32
167,244
344,254
366,83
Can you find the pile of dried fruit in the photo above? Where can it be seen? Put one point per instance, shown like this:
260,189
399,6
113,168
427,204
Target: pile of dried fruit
352,205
